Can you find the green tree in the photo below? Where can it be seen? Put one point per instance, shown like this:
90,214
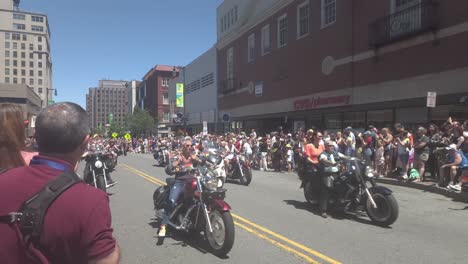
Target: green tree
140,122
114,127
99,130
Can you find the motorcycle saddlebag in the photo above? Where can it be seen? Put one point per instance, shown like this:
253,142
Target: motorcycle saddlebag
160,197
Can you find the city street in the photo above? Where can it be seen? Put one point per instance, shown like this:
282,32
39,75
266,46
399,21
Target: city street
274,225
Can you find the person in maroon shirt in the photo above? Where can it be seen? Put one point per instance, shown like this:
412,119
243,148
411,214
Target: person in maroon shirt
77,226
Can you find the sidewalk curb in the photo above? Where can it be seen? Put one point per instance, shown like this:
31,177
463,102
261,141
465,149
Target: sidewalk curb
461,197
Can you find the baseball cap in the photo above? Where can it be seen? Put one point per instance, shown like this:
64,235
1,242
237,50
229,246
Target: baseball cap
451,146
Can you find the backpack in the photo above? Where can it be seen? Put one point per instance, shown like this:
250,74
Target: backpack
413,175
28,221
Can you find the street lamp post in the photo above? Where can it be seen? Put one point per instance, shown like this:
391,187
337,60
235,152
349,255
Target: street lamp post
47,94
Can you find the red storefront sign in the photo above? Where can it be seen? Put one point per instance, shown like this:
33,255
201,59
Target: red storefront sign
319,102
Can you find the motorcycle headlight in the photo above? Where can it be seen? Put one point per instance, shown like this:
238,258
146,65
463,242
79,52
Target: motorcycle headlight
369,172
220,183
211,183
98,164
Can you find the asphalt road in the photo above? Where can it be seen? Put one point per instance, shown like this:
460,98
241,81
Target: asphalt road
275,225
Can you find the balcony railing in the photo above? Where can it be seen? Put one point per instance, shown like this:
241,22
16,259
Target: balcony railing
404,24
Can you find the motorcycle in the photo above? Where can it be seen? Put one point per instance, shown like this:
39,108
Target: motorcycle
201,208
239,169
351,190
111,157
96,170
162,156
216,163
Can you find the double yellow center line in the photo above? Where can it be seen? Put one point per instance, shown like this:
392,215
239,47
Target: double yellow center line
278,240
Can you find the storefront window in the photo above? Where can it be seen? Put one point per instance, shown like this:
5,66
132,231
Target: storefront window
439,114
356,120
314,121
334,121
411,117
380,118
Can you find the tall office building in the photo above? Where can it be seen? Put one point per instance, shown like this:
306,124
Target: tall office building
107,103
25,49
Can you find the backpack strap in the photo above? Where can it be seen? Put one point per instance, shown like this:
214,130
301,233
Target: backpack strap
30,218
34,210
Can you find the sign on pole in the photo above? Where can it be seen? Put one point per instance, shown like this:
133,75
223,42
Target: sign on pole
114,135
179,95
431,99
127,136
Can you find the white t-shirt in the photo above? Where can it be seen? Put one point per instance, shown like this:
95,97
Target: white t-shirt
247,148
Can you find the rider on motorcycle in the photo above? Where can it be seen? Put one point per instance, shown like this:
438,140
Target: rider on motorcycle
185,159
328,170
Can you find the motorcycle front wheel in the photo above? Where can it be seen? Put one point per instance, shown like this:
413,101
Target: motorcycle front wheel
101,182
221,239
247,178
386,212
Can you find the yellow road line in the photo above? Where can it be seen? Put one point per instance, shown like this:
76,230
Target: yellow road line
276,243
245,221
144,175
291,242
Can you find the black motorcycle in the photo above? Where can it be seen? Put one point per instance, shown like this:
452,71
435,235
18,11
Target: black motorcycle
162,156
354,187
239,169
96,170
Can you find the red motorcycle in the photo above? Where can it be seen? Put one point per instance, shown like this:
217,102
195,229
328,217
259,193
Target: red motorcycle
201,208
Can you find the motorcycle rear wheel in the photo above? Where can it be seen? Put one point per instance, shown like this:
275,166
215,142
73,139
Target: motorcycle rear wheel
221,239
386,212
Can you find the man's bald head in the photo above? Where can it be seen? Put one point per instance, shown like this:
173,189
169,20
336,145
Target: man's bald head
61,128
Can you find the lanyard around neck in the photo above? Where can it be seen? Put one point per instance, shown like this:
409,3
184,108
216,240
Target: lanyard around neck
50,163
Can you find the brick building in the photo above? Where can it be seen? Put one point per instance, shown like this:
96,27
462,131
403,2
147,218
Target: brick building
153,95
335,63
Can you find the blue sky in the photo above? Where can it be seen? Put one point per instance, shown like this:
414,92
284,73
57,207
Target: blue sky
121,39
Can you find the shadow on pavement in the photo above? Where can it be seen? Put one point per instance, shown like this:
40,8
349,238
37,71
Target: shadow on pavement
459,209
359,216
179,238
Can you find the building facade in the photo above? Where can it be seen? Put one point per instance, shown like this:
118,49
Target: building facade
153,95
336,63
107,103
132,95
201,100
24,96
25,56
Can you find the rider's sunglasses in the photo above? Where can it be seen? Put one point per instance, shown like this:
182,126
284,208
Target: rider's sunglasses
187,146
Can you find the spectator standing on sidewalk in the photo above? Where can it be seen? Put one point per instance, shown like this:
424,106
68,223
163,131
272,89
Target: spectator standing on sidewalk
350,140
77,226
402,144
435,142
12,137
456,163
387,140
421,151
341,142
